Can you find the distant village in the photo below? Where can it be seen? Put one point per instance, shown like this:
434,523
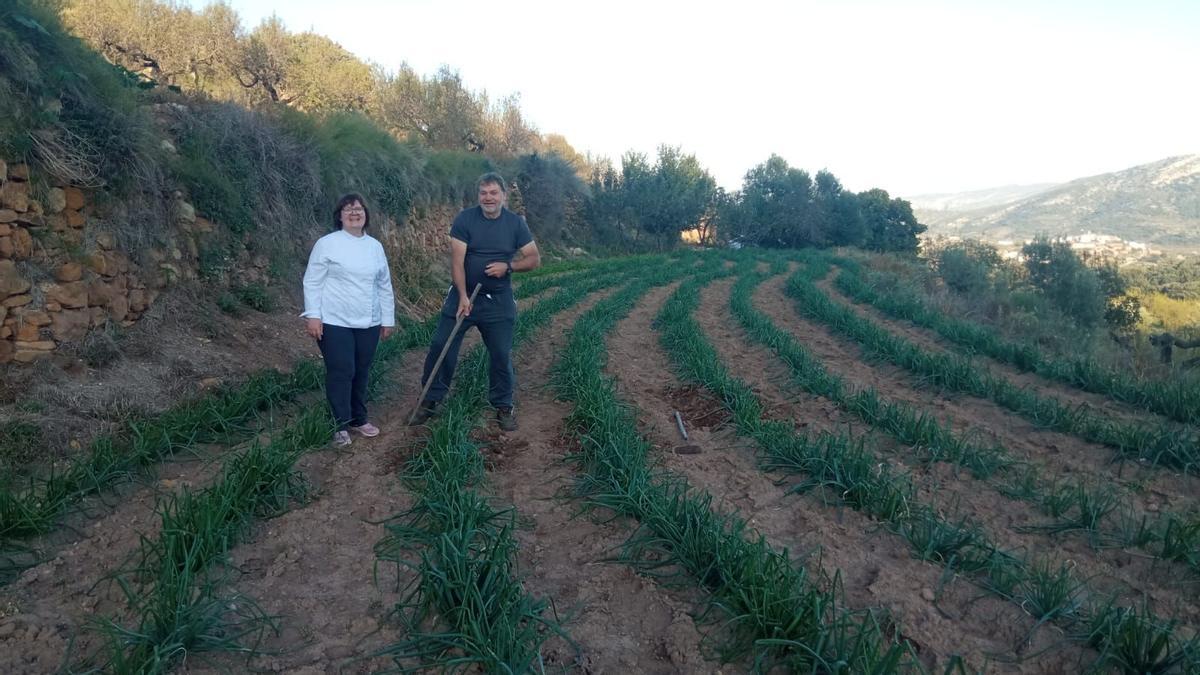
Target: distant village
1089,245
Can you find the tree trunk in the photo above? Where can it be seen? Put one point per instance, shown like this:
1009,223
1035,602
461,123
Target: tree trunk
1167,342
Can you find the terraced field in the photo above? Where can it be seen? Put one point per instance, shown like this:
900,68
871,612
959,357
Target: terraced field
865,487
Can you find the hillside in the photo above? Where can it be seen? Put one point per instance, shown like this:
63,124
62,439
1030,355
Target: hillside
957,202
1157,203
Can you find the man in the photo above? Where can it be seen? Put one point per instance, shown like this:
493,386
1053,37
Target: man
483,242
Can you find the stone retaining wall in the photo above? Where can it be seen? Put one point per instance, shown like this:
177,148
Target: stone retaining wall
57,279
62,274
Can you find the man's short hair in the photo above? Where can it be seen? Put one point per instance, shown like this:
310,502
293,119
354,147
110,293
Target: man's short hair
491,177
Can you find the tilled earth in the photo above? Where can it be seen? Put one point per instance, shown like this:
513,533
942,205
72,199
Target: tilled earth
314,569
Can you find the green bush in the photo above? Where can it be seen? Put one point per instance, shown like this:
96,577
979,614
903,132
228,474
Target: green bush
353,154
1064,279
19,443
241,169
214,259
254,296
212,189
551,193
452,175
63,107
227,302
280,265
1179,279
967,267
1182,290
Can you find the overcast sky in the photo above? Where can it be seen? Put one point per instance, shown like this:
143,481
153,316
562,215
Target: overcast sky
913,97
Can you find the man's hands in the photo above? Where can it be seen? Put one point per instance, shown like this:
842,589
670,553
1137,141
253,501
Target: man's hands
314,328
497,269
385,332
528,258
464,306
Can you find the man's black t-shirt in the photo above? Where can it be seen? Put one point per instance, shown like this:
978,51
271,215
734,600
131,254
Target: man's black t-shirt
489,241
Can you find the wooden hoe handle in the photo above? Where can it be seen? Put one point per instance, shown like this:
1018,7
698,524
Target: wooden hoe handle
445,348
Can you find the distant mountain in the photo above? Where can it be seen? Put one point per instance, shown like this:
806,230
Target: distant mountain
1156,203
977,199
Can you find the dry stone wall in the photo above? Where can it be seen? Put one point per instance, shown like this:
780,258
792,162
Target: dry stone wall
58,279
62,273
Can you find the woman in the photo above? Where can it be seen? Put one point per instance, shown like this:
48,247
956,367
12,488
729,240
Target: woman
348,308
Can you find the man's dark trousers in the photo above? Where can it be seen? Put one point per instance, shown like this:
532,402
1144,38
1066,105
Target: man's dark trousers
348,353
494,315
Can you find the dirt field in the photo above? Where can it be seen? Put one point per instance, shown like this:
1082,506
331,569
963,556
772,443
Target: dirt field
314,568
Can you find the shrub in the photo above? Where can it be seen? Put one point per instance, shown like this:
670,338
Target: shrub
244,169
214,259
1123,312
228,303
19,442
99,347
62,106
212,189
1166,313
353,154
552,193
452,175
967,267
254,296
1064,279
1182,291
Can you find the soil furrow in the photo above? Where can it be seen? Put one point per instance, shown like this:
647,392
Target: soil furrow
621,622
314,567
943,618
931,341
1122,573
50,606
1060,454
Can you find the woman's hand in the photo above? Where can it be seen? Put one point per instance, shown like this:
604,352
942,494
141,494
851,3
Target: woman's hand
314,327
385,332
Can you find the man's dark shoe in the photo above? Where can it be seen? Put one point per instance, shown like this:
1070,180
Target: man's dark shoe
507,419
423,412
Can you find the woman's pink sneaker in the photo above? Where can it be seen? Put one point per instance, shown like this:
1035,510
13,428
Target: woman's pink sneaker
367,429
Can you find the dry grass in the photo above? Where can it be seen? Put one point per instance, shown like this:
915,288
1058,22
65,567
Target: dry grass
1161,312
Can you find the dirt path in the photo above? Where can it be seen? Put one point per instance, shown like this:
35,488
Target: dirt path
621,622
314,567
932,342
1109,570
43,613
876,568
55,600
46,611
1060,454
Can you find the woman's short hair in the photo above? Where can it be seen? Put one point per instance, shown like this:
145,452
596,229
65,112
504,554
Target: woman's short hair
491,177
345,201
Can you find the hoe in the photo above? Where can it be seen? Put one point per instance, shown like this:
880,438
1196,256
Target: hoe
438,364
